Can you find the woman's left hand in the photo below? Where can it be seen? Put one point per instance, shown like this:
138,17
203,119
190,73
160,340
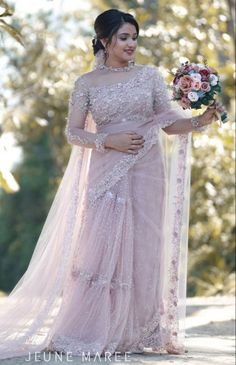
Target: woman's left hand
211,114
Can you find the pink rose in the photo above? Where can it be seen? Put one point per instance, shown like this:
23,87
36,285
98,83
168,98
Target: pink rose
196,68
196,84
205,86
185,102
205,73
185,84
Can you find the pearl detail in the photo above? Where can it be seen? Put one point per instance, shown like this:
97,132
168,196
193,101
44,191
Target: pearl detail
117,69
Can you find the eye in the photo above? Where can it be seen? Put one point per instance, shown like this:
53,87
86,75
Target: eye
124,39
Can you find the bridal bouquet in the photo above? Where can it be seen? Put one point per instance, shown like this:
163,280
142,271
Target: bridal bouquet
195,85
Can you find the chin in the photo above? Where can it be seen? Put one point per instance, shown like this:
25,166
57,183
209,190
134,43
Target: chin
128,57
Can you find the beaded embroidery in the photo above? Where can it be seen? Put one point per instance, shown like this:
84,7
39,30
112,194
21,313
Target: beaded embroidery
136,99
122,166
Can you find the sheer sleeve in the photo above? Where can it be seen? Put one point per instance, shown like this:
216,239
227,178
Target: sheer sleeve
78,109
165,113
169,113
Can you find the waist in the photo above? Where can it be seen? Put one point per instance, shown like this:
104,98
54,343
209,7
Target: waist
127,124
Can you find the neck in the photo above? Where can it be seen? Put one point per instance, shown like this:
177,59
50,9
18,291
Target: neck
115,63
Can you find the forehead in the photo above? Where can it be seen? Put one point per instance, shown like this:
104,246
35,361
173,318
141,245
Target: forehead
127,28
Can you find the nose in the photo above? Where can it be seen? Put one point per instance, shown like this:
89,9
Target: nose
132,43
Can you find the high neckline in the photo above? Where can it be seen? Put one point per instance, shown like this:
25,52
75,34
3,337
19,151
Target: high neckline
117,69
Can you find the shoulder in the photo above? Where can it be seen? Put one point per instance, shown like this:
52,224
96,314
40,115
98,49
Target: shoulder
81,79
81,82
87,79
153,72
150,68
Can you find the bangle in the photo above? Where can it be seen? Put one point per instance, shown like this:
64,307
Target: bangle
100,142
196,124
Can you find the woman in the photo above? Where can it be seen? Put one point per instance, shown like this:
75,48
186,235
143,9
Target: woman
108,272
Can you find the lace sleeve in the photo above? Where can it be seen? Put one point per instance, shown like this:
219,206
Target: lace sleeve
77,112
164,113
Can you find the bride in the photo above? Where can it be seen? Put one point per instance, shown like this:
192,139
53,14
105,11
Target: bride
108,272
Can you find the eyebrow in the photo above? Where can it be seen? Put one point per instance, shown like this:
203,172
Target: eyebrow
127,34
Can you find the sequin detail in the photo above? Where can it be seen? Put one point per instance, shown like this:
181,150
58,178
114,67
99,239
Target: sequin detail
70,344
100,141
101,280
172,316
122,166
136,105
77,117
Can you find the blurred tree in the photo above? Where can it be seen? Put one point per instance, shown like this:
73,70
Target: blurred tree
7,10
169,31
40,79
7,180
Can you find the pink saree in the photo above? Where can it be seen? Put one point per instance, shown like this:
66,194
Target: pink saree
108,272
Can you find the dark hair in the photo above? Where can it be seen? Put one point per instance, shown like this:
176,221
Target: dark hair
107,24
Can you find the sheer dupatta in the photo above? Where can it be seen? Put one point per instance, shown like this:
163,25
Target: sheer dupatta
29,314
178,161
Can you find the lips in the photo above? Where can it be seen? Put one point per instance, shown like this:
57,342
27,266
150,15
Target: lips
129,52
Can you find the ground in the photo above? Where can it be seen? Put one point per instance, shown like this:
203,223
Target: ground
210,336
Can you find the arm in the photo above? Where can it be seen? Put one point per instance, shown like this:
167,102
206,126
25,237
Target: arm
77,113
169,119
183,125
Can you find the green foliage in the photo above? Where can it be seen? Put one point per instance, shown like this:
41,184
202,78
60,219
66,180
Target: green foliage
212,225
22,213
209,36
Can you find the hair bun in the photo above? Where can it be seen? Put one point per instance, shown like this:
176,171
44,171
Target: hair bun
94,40
97,45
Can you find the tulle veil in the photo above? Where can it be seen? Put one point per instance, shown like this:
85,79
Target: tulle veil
29,313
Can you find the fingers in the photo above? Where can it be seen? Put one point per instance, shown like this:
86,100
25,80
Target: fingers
137,142
134,135
217,106
216,117
137,137
136,146
212,113
134,152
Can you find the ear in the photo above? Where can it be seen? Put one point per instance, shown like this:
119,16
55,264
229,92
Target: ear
104,41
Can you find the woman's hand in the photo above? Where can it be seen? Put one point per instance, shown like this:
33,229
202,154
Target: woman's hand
210,115
129,142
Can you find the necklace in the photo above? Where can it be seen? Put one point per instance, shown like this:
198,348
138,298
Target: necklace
111,68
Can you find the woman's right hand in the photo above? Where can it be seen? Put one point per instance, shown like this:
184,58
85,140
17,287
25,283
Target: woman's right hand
129,142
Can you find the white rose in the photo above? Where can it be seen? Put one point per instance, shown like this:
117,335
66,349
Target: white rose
200,65
196,76
213,79
193,96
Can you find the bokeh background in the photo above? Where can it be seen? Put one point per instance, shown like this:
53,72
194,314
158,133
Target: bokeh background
44,46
